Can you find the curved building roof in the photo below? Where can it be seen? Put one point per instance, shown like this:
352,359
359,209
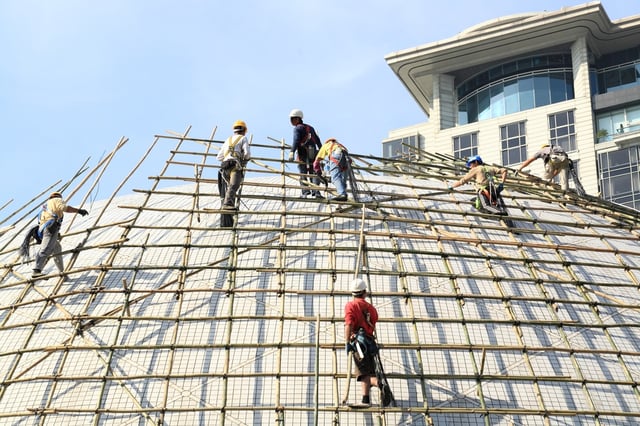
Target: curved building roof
510,37
162,316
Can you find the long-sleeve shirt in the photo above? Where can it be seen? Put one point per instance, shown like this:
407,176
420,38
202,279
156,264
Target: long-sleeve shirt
303,133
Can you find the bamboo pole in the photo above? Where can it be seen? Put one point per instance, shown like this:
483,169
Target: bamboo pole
487,249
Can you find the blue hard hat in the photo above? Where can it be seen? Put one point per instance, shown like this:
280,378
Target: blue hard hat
474,158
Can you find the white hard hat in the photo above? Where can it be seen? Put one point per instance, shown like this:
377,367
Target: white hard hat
358,286
295,113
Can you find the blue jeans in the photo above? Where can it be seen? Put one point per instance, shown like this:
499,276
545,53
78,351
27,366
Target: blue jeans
339,177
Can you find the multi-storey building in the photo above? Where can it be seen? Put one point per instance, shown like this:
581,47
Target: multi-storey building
503,88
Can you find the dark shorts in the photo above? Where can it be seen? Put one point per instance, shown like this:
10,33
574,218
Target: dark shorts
364,367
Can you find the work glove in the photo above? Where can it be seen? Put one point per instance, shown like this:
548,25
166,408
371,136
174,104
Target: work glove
83,212
316,167
291,156
349,348
500,187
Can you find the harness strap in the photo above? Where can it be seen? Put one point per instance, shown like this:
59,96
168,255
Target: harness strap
48,223
231,147
334,160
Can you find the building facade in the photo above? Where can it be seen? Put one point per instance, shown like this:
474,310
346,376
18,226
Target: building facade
503,88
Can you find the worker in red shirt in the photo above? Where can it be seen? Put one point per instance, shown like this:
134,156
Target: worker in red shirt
360,319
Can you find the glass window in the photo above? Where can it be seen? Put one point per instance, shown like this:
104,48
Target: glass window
612,78
513,143
562,130
619,176
525,88
465,146
541,88
463,117
482,97
618,122
472,109
511,102
623,74
633,114
400,148
628,76
557,87
484,105
497,101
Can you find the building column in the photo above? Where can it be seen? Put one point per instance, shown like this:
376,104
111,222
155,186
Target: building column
583,115
580,59
445,108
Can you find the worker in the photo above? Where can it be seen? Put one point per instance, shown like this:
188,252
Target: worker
47,233
556,163
234,154
339,162
306,144
360,318
484,177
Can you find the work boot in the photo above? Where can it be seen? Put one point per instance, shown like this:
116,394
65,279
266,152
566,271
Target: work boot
342,197
366,400
37,273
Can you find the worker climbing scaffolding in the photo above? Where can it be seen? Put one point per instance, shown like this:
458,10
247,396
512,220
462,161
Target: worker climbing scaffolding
339,166
556,164
306,144
234,154
488,198
484,178
47,233
360,319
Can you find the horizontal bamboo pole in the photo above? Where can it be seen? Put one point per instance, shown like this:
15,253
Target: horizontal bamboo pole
473,412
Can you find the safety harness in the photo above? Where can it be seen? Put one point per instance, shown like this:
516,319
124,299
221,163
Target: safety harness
37,232
488,189
236,157
556,155
343,162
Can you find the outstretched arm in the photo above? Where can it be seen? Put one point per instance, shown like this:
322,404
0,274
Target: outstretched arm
526,163
81,212
504,176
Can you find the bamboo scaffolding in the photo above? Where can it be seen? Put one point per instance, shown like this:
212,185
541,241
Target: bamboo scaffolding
473,411
414,219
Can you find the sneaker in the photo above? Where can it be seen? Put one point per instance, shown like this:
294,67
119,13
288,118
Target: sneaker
228,207
342,197
319,196
36,273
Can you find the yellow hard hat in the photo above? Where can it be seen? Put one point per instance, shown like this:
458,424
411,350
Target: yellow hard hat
55,195
239,124
544,145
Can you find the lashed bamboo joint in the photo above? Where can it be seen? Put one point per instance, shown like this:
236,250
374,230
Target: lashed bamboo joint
163,316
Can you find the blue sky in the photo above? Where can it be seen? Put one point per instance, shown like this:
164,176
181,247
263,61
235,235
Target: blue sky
76,76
